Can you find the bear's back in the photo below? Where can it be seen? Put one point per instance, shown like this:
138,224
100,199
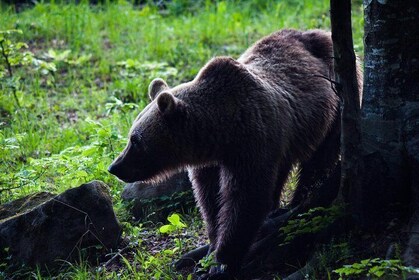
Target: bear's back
293,67
289,55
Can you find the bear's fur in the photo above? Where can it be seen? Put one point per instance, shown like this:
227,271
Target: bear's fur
239,127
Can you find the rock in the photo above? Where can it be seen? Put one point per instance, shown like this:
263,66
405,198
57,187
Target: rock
161,198
23,204
177,183
42,228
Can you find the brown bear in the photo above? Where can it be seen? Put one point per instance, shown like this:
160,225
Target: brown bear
238,128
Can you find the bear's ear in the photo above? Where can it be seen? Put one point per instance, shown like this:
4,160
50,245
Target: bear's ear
167,102
156,86
223,68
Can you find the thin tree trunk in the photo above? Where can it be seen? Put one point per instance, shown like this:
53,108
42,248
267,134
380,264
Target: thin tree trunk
348,90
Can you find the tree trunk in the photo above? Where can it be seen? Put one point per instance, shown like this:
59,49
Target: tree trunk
390,114
348,88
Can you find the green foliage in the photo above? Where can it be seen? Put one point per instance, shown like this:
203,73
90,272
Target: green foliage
375,269
132,231
329,256
133,73
207,262
315,220
70,167
64,57
116,105
175,224
11,56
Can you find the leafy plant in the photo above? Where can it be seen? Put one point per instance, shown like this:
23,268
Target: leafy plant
64,56
12,56
175,224
70,167
116,105
376,268
207,262
135,77
132,231
315,220
11,143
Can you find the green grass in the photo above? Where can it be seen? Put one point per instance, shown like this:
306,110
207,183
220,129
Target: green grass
73,121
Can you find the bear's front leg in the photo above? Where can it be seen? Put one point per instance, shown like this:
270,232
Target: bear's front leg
206,187
246,199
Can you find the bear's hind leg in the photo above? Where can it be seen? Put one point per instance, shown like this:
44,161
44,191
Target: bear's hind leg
206,187
318,167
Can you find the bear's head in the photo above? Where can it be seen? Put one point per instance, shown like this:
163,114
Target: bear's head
182,126
153,147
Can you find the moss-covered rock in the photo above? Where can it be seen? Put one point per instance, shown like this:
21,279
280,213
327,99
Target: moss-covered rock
42,228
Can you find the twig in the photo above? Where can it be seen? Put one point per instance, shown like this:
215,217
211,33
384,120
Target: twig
9,69
117,254
6,58
333,83
87,224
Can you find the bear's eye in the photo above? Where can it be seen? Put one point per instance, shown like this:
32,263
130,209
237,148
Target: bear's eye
135,141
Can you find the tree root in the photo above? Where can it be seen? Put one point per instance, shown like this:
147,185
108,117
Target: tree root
192,257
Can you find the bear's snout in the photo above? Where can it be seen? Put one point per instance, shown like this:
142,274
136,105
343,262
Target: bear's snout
112,169
130,166
115,167
121,168
124,166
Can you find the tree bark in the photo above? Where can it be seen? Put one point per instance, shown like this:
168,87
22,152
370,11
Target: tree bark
391,93
348,90
390,118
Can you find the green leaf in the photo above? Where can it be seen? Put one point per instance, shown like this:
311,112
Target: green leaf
166,229
90,150
11,31
168,252
58,56
20,45
81,60
174,219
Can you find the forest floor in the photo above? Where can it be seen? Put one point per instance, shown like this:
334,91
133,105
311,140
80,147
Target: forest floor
66,110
